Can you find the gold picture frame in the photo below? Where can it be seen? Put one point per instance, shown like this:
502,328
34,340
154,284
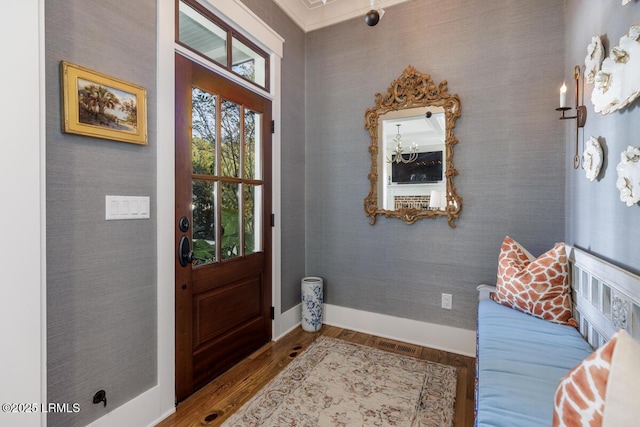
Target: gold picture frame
101,106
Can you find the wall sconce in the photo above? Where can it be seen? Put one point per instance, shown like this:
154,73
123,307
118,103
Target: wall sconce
581,110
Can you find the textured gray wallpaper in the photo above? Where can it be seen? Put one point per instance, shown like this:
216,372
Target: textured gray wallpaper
101,275
505,59
597,220
293,147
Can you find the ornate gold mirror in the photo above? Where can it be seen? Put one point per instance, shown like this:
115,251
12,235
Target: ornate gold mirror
412,140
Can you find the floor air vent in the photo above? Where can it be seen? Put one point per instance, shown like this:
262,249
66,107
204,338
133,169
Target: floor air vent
397,347
386,344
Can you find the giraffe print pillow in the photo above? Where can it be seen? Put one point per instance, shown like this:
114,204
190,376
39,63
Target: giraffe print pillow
580,396
537,286
602,390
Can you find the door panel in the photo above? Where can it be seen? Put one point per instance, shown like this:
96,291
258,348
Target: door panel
245,294
223,189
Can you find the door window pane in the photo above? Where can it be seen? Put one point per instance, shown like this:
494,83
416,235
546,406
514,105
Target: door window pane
204,222
248,63
230,221
202,34
252,144
230,146
252,218
203,134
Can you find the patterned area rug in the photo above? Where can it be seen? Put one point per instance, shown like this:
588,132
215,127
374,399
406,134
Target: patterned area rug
337,383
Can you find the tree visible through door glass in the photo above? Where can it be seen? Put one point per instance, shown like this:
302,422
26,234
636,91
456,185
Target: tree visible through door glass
227,178
230,146
231,229
252,192
203,160
203,137
204,220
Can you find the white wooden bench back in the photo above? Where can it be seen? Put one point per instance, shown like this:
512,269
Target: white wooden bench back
606,297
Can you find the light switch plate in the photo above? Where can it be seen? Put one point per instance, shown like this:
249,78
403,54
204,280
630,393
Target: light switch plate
127,207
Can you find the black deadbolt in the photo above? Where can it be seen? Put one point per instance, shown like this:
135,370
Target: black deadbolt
183,224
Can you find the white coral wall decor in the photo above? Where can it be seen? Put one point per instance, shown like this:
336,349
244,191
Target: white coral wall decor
617,84
593,60
592,158
629,176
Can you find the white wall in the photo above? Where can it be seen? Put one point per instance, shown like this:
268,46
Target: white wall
21,182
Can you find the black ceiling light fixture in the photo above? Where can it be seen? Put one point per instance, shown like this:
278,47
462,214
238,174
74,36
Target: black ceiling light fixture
374,15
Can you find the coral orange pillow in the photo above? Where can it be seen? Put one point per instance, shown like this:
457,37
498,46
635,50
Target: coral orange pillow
602,390
580,396
537,286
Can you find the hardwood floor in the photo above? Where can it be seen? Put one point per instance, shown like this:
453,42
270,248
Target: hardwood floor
211,405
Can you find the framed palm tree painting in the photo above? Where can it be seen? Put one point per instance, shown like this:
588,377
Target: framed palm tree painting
100,106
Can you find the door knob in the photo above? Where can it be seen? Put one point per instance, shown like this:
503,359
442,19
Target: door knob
185,254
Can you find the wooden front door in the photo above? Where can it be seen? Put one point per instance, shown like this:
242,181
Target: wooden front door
223,230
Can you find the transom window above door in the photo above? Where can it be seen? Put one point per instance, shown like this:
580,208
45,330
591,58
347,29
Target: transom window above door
204,33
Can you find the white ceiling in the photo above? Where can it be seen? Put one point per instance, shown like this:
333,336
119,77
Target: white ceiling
312,14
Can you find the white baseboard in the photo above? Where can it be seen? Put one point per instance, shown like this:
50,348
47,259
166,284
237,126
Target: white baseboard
432,335
143,410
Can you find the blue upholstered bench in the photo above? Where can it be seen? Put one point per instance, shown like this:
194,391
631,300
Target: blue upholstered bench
520,361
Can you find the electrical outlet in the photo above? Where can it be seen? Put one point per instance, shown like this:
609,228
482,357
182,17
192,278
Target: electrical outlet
447,301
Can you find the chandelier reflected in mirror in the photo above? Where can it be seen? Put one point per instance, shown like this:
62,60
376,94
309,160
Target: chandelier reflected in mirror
398,155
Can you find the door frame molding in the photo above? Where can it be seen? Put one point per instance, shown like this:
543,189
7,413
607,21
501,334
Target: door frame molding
24,315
